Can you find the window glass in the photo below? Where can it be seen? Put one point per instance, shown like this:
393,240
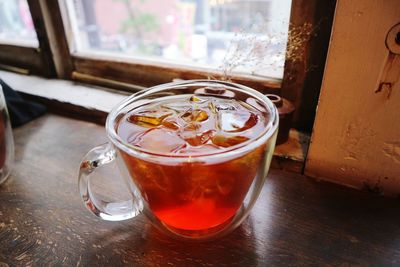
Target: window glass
16,26
230,35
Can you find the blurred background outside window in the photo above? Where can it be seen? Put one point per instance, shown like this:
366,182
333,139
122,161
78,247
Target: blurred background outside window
16,26
247,36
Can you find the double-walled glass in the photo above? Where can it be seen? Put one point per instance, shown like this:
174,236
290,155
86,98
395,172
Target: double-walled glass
6,140
227,181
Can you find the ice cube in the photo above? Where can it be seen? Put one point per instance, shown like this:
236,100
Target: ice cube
170,123
225,184
228,141
212,107
159,140
177,106
196,99
151,177
237,121
149,118
204,149
135,136
197,139
195,115
192,126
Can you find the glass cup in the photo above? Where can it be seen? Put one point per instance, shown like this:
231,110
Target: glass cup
6,140
198,196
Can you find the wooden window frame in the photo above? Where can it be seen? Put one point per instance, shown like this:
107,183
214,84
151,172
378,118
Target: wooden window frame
300,84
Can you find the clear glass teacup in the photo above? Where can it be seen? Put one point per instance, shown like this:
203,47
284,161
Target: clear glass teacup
6,141
194,156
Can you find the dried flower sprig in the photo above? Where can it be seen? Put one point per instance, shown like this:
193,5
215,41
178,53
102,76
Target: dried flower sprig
261,50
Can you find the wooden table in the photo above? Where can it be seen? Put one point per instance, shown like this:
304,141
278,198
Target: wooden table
296,220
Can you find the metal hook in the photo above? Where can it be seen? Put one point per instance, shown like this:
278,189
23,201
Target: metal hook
393,39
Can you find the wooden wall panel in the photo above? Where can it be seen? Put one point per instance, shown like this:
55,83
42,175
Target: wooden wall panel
356,136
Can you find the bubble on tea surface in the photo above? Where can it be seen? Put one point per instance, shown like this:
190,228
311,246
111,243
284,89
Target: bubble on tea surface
149,118
228,141
159,140
195,115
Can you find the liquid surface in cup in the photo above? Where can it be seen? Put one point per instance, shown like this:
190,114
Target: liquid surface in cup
193,195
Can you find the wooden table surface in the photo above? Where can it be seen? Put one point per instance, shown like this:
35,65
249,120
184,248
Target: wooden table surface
296,221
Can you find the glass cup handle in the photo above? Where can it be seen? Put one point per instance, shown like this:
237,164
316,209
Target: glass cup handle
110,211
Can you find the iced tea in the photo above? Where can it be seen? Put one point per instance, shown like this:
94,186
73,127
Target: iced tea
193,195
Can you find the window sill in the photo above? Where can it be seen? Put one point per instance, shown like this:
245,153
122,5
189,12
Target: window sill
92,103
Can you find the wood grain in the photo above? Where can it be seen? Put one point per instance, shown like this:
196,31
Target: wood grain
48,67
356,137
150,74
57,37
296,220
28,57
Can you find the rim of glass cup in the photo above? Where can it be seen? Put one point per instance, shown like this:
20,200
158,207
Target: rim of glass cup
248,145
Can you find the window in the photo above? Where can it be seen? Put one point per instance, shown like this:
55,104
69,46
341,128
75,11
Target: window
133,44
124,42
201,33
16,23
20,48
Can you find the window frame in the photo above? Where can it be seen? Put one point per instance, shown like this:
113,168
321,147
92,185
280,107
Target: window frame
302,80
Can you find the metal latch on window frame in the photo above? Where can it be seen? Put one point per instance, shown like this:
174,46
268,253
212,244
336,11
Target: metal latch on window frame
391,72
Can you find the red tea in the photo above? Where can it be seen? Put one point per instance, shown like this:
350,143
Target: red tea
193,195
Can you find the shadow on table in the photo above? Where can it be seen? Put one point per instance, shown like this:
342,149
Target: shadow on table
148,246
